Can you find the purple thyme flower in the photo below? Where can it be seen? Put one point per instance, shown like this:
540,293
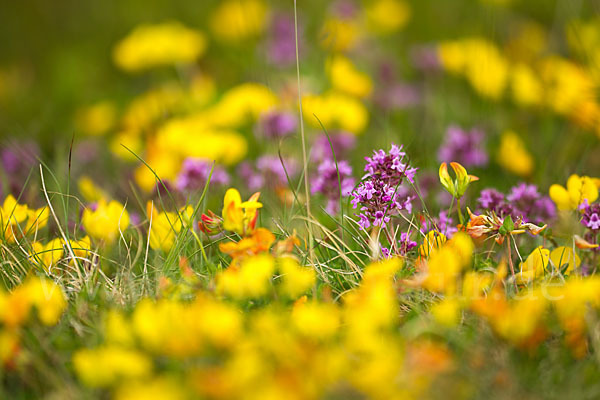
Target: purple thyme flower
523,201
378,195
591,217
406,244
276,124
463,147
194,175
268,172
342,143
326,183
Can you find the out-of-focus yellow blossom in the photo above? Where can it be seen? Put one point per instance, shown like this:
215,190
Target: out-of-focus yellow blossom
387,16
202,90
565,256
566,85
43,294
235,20
526,88
480,62
9,345
110,364
155,389
164,166
534,266
151,106
241,105
89,190
50,254
529,43
150,46
107,222
475,285
339,35
446,263
579,189
238,216
251,279
166,226
96,119
335,111
513,155
117,329
315,320
447,312
347,79
18,219
125,142
295,279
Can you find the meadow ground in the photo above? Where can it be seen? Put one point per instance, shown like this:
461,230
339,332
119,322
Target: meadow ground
253,199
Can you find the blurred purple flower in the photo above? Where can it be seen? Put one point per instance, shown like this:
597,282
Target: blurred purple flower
195,172
591,217
398,96
406,244
463,147
342,143
281,48
268,172
523,201
326,182
425,58
19,158
277,124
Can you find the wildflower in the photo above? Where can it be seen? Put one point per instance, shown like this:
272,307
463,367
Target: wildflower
513,155
89,190
107,365
456,187
445,263
378,192
347,79
447,312
565,259
195,172
463,147
97,119
527,90
277,124
534,266
318,321
335,111
433,240
271,171
490,225
529,204
295,279
156,45
387,16
166,226
337,143
578,190
237,216
340,33
250,279
259,241
333,180
237,20
210,224
405,243
18,219
106,222
281,48
591,217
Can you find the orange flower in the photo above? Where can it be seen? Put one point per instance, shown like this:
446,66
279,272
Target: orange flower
259,242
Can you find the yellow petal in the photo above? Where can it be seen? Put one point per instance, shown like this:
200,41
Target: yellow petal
560,197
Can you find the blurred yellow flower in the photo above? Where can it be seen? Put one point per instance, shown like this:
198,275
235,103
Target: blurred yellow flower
156,389
387,16
236,20
106,222
295,279
335,111
562,257
447,312
18,219
89,190
527,90
579,189
166,226
339,35
534,266
250,279
513,155
347,79
319,321
109,364
150,46
97,119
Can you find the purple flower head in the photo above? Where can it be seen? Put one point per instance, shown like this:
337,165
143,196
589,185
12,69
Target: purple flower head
281,48
425,58
254,181
463,147
326,182
523,201
268,172
277,124
406,244
379,195
342,143
591,217
398,96
195,172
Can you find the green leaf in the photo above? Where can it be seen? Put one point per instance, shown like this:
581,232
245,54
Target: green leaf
507,226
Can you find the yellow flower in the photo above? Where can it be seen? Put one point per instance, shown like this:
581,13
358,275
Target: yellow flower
89,190
513,155
433,240
106,222
387,16
319,321
47,297
335,111
236,20
446,263
259,241
534,266
527,90
166,226
18,219
97,119
446,312
347,79
565,256
155,389
150,46
109,365
237,216
456,187
295,279
338,35
577,191
251,279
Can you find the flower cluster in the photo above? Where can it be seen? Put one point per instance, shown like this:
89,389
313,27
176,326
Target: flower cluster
377,194
333,180
195,173
464,147
523,201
